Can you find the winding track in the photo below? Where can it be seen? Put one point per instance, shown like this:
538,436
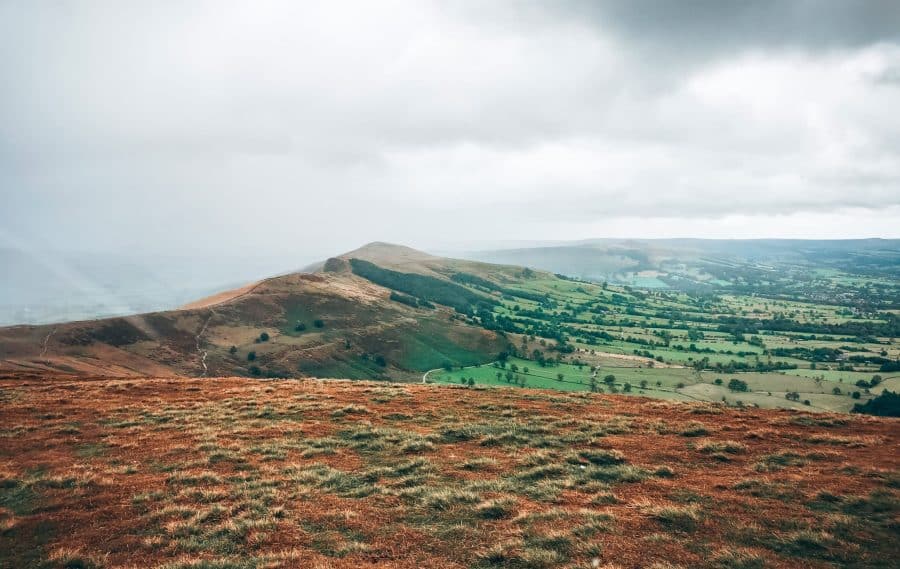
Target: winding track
46,343
203,353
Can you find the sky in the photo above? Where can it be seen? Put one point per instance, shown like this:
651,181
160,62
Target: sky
298,130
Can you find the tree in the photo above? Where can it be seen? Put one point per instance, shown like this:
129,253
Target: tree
471,381
836,390
593,384
609,380
885,405
499,375
525,369
264,337
792,396
232,350
627,387
380,361
559,377
319,323
718,381
299,327
251,356
737,385
643,384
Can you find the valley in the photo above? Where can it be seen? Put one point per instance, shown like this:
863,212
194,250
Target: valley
392,313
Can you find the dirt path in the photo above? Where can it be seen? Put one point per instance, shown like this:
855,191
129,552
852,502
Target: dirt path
46,343
203,353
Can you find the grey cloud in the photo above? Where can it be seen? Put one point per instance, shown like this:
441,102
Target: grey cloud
701,26
284,126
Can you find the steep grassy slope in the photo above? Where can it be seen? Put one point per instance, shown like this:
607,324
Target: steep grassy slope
226,473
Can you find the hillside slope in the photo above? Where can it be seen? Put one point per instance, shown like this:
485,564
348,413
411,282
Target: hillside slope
331,323
163,473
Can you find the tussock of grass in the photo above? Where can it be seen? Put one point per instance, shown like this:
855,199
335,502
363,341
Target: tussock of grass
69,558
541,472
778,461
677,518
496,509
341,483
598,457
444,499
479,464
694,429
730,447
604,499
736,559
761,488
819,421
197,479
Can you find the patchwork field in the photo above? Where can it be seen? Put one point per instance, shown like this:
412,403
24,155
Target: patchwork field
231,473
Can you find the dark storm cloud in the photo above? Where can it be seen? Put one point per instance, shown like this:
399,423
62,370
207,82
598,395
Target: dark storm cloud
704,27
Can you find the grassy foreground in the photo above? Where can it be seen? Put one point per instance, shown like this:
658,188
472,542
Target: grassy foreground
235,473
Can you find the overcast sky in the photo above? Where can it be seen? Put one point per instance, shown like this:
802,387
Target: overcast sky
305,129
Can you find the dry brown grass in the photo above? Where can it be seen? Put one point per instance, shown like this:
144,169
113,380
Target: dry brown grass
241,474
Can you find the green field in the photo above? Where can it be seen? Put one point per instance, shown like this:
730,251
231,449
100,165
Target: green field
764,389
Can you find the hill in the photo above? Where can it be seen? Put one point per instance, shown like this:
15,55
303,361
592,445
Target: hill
228,473
332,322
386,311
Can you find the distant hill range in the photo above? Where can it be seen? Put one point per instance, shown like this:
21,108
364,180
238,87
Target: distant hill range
705,264
40,287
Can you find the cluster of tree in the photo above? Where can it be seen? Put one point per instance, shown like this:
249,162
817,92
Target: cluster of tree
889,328
814,354
759,366
410,300
876,380
379,360
470,279
425,287
885,405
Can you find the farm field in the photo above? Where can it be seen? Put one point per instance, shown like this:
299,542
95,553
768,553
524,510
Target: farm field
765,390
177,473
